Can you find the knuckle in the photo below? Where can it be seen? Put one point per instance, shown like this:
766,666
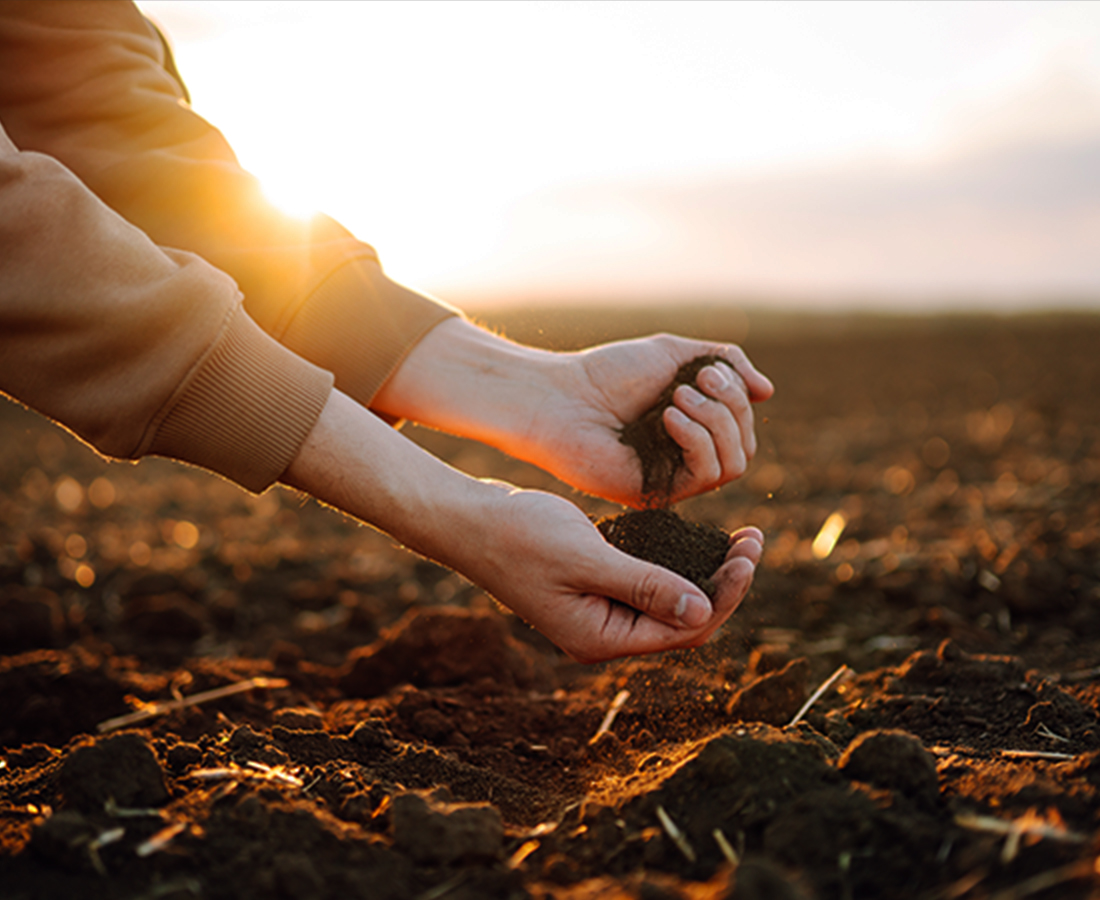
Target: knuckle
646,592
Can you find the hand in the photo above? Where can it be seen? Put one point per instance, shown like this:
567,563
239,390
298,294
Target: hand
712,421
564,411
541,557
535,552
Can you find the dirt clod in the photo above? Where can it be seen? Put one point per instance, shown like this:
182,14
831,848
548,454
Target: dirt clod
444,834
893,760
660,536
122,768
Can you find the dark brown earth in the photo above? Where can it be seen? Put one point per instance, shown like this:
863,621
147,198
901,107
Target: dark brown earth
692,549
410,740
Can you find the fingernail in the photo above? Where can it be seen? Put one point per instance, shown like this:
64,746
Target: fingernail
693,610
692,396
678,417
719,377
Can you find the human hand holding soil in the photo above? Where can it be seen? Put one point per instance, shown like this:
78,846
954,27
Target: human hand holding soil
565,412
535,552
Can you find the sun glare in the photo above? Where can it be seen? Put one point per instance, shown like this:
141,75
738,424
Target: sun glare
457,138
293,199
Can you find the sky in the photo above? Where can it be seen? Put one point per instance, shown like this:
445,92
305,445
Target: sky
899,155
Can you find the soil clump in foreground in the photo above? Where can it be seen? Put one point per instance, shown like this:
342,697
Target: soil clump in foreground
390,733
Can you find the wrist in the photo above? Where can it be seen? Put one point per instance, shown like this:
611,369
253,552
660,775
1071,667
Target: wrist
472,383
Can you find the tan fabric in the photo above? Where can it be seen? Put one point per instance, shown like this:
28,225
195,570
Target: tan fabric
89,82
137,349
145,350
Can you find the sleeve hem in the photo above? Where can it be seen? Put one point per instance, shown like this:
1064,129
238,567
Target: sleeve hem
245,408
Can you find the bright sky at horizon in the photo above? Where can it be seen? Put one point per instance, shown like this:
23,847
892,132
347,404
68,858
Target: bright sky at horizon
608,149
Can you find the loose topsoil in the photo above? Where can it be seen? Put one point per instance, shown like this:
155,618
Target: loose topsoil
660,456
397,735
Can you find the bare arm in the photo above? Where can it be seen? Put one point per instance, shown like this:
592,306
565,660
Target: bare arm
563,411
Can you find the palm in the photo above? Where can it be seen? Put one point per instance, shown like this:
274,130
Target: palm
576,432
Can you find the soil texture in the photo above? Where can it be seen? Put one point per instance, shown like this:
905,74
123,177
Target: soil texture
694,550
312,712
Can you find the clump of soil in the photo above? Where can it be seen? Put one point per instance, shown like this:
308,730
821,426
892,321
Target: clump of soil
656,534
660,536
660,455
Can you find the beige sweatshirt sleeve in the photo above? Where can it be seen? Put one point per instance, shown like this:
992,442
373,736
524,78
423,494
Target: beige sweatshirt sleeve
91,83
138,350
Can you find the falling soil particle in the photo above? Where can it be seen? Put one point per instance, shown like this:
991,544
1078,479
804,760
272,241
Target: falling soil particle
660,536
660,455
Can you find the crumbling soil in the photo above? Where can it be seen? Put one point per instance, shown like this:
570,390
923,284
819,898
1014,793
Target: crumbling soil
692,549
411,740
661,457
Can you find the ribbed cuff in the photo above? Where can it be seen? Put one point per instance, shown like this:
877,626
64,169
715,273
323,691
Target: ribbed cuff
360,325
245,408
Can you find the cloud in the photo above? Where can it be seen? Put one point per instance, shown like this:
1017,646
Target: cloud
1008,214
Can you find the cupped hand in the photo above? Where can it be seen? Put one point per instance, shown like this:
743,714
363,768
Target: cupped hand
575,434
545,560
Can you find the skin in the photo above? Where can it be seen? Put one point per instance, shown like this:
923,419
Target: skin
536,552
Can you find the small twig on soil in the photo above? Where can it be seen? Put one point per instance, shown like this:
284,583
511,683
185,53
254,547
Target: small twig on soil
617,704
119,812
255,770
160,840
1044,731
843,672
525,850
1037,754
102,840
1045,880
727,851
166,706
1079,675
276,774
1028,825
444,888
678,837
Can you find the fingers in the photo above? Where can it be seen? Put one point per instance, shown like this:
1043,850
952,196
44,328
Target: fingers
729,389
759,386
624,633
656,592
715,430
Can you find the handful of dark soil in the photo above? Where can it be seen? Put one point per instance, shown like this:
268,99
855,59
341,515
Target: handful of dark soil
657,534
660,536
660,455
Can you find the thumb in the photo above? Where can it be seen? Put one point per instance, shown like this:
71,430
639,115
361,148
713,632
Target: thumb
655,591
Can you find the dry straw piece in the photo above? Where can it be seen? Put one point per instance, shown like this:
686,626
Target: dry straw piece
678,837
843,672
161,707
605,726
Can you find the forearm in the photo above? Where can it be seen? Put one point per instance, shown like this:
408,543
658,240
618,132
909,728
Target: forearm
355,462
